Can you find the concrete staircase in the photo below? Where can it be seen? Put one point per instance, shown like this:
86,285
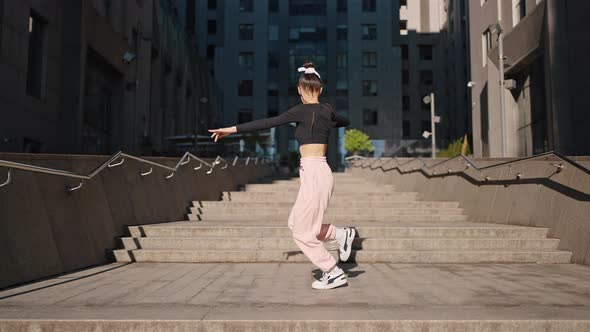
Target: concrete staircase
394,227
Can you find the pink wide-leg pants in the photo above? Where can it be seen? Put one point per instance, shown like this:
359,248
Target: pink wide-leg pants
307,215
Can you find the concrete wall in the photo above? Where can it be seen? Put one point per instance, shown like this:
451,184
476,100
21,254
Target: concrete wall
561,202
45,231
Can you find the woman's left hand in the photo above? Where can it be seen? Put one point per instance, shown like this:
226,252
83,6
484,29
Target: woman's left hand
222,132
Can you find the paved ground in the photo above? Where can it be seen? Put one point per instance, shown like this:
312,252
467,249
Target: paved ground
170,291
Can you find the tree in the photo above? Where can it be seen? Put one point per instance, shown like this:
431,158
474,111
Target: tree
355,141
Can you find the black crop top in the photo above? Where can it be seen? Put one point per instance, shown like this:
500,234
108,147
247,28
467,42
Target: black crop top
313,122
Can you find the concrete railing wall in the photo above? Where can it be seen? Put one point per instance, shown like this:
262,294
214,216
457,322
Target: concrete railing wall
46,231
542,197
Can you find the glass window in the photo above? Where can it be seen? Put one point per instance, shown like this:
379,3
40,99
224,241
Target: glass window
245,88
486,45
426,77
212,4
245,115
246,31
211,27
341,60
273,60
210,52
307,7
369,59
273,32
246,59
425,52
403,27
369,117
342,32
369,5
246,6
519,11
342,88
369,31
425,126
273,88
404,49
403,3
406,129
369,88
405,76
273,6
36,56
342,6
311,34
406,103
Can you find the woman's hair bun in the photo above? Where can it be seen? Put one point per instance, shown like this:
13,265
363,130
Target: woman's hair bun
308,64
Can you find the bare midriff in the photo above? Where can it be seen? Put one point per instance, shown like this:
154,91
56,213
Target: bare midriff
312,150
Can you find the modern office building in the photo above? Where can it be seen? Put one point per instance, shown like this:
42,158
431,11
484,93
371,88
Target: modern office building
97,76
545,71
255,48
376,66
435,59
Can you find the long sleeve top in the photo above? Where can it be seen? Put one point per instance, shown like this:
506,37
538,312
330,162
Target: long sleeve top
313,122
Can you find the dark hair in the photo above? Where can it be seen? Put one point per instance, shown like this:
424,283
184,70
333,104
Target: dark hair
310,81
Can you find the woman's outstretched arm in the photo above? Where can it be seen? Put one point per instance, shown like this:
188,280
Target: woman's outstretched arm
291,115
337,119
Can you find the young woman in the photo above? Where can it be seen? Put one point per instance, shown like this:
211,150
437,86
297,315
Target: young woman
314,121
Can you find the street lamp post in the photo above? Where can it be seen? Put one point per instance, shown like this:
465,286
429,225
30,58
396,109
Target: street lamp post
433,121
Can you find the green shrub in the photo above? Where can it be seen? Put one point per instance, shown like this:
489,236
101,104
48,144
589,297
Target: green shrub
454,149
355,141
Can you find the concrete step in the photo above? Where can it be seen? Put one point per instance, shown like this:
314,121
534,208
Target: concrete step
206,230
290,196
350,218
350,211
367,204
361,256
337,189
380,244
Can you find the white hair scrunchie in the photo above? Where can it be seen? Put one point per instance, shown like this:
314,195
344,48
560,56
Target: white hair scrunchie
309,70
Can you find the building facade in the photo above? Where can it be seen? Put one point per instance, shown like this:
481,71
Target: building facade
97,76
435,59
377,59
255,47
545,52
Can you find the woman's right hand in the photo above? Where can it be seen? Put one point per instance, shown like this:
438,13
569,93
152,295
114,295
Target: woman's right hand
222,132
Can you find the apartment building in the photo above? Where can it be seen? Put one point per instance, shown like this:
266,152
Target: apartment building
97,76
545,52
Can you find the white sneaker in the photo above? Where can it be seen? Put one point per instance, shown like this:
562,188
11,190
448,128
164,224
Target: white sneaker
332,279
346,243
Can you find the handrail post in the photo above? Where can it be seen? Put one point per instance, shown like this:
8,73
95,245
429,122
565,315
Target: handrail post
8,180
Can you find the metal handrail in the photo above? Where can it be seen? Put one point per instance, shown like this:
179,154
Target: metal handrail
110,163
469,164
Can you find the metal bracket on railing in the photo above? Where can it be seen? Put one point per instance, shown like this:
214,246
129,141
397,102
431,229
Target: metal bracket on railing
8,180
560,167
518,174
247,160
147,173
188,160
170,176
256,161
198,167
211,169
71,189
117,164
235,160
